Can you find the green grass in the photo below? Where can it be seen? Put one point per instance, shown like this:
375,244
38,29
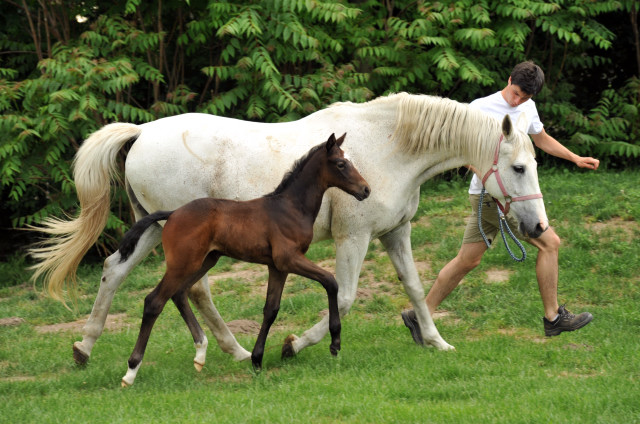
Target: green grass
503,369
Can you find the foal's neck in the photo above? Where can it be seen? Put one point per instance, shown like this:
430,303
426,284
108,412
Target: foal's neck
307,190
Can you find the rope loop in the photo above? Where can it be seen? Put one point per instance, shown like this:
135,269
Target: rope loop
502,223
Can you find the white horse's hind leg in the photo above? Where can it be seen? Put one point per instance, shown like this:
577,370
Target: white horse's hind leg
113,273
200,295
398,245
350,253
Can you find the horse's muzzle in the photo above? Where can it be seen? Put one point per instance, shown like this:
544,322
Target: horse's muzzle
536,232
363,193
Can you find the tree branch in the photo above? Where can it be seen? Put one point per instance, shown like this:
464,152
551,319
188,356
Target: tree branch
34,34
633,15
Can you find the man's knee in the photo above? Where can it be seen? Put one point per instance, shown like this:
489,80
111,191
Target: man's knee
469,258
548,241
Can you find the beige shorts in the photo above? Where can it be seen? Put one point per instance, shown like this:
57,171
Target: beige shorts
490,219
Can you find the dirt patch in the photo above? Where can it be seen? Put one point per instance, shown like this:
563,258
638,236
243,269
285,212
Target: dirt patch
249,274
244,326
442,314
114,322
369,289
615,226
252,328
329,265
18,378
11,321
498,275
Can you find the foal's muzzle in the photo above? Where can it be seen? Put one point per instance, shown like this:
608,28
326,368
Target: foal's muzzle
363,193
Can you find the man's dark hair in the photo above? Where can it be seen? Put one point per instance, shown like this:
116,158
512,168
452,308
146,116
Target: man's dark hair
528,76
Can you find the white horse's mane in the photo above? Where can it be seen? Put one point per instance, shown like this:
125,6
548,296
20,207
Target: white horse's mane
431,124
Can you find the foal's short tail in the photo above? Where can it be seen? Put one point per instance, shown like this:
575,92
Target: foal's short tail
131,237
94,168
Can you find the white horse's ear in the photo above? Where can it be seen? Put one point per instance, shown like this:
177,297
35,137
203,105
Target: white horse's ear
331,142
523,123
507,127
340,140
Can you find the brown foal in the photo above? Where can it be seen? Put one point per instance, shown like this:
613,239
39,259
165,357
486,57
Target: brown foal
274,230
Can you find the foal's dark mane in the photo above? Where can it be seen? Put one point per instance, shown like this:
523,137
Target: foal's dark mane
295,171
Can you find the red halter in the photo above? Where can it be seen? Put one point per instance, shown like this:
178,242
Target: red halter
508,199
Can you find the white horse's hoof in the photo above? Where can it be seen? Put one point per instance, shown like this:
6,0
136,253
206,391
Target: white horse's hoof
288,350
438,343
446,346
198,366
124,384
79,355
241,355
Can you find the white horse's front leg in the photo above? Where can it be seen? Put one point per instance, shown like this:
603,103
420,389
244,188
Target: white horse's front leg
113,274
398,244
200,295
350,253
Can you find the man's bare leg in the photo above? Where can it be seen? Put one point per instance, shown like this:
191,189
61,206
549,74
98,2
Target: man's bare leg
469,257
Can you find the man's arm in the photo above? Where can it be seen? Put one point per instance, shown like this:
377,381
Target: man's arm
553,147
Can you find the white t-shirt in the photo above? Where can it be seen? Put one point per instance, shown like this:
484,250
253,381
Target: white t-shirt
496,106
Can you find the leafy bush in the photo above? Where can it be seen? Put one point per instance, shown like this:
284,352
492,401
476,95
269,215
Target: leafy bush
280,60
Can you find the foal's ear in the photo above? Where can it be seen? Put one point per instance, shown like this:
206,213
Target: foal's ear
507,126
331,142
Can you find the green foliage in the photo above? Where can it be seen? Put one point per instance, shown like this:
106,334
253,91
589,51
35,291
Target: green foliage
279,60
611,129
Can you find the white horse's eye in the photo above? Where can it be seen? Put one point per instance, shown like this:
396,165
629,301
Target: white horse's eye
519,169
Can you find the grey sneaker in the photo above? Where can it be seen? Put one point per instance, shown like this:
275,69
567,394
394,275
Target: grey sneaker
410,320
566,321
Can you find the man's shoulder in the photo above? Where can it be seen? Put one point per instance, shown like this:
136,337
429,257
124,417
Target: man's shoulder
491,98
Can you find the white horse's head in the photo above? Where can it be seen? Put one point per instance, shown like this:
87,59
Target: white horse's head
512,178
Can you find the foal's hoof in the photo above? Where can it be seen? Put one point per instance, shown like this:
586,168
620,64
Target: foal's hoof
287,348
79,356
124,384
198,366
334,350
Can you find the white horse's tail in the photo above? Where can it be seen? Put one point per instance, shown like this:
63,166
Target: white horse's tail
94,169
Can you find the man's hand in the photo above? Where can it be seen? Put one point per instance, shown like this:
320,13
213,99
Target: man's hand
589,163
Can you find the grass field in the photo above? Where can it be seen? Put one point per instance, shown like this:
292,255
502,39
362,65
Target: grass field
503,370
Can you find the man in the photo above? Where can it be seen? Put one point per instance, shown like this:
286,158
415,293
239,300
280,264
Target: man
525,81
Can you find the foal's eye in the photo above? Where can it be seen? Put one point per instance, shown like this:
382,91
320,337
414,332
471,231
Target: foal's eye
519,169
340,165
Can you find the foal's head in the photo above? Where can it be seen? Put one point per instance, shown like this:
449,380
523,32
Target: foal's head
339,171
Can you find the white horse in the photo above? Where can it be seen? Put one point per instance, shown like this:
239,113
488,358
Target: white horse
397,142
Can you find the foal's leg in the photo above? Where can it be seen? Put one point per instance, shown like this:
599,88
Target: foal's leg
113,274
199,338
350,253
270,311
153,306
398,244
180,300
300,265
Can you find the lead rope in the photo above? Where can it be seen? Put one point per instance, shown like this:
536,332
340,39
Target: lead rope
502,222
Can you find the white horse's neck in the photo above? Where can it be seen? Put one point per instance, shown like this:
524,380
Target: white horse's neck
432,135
